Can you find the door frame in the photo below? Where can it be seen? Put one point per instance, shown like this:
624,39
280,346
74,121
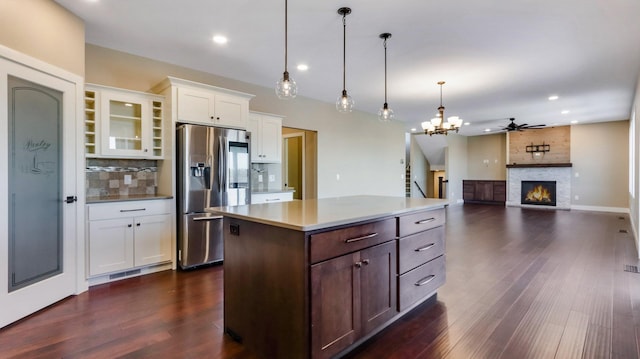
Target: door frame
73,128
285,162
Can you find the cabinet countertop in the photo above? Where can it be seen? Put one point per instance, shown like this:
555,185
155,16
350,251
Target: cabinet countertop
313,214
122,198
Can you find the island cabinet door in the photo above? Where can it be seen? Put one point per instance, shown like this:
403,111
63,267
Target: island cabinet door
335,297
378,285
352,295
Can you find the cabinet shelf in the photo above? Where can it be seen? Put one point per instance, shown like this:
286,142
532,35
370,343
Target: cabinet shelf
122,117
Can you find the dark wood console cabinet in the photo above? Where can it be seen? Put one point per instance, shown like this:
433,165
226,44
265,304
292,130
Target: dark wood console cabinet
484,191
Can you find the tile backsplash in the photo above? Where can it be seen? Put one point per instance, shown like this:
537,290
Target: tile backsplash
106,177
260,174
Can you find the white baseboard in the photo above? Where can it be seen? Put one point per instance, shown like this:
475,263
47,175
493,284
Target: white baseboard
600,209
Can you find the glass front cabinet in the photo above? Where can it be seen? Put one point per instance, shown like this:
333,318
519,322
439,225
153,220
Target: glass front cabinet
122,123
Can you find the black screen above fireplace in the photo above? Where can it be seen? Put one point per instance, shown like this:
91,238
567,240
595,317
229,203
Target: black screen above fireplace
541,193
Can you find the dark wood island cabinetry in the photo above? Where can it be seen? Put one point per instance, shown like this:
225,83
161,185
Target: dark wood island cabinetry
315,278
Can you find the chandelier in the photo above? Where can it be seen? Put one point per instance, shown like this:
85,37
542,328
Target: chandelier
437,125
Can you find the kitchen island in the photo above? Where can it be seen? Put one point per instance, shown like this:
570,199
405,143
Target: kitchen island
315,278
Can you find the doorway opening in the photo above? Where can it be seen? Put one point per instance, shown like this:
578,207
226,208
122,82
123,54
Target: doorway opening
299,162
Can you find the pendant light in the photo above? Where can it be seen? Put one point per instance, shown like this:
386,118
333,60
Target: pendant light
286,87
345,102
385,114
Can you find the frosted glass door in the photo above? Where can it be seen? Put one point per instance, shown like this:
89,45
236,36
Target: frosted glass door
35,183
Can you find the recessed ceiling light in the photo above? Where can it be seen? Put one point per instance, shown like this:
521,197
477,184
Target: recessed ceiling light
219,39
487,130
574,121
565,112
553,98
413,130
467,123
303,67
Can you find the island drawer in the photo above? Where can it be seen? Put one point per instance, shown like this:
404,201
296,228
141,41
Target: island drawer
420,248
421,221
420,282
337,242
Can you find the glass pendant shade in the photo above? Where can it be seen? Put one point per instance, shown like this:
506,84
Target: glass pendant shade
286,87
385,114
344,103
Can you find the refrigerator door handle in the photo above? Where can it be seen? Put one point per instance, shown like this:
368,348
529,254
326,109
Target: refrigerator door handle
220,164
223,170
210,218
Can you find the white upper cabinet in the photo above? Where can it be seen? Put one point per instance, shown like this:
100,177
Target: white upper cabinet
204,104
266,137
122,123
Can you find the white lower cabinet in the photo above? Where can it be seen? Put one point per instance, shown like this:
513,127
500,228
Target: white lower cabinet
126,235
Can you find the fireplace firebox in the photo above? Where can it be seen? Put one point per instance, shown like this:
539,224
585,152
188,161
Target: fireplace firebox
541,193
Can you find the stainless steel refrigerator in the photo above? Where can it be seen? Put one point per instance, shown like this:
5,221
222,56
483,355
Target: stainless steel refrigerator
212,170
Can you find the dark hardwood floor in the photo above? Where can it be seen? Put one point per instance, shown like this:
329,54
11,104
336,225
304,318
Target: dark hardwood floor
521,283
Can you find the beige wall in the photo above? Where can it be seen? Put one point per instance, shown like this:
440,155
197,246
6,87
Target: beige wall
600,157
44,30
456,166
366,155
486,157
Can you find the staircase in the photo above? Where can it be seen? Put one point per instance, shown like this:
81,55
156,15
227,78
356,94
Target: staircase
407,179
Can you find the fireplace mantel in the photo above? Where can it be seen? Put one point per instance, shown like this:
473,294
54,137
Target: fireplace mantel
539,165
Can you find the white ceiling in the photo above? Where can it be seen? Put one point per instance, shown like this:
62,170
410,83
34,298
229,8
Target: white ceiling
499,58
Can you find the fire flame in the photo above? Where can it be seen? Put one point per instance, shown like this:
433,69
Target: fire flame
539,194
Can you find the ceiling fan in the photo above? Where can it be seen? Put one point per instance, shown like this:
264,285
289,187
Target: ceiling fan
512,126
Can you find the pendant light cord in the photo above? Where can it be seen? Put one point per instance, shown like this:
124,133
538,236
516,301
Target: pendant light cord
344,53
286,11
385,70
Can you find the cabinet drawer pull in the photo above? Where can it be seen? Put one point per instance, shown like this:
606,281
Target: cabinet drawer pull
425,280
351,240
272,199
211,218
133,210
422,249
426,220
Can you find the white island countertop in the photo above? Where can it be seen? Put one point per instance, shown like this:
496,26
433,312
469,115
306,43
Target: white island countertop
313,214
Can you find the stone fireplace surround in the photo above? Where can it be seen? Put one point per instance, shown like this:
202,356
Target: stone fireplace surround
561,173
